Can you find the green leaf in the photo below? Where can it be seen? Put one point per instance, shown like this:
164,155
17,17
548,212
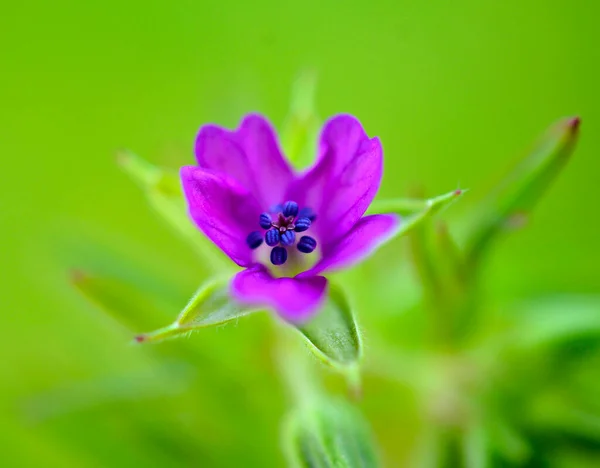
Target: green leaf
164,193
333,333
300,130
513,200
555,320
210,306
475,447
328,433
123,300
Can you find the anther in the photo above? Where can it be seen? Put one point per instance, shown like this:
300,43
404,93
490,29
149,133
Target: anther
272,237
254,239
306,244
278,256
265,221
302,224
288,238
307,213
290,208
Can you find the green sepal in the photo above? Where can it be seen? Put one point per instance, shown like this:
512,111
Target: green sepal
333,333
420,210
415,206
212,305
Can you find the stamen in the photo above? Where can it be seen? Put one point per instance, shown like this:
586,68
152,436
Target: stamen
278,256
272,237
288,238
254,239
306,244
281,224
265,221
290,208
307,213
302,224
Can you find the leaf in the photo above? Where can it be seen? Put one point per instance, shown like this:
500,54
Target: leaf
328,433
333,333
555,320
123,300
210,306
516,196
302,124
475,447
164,193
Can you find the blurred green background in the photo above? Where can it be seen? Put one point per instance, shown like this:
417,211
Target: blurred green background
457,92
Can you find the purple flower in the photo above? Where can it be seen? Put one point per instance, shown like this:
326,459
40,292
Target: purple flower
287,229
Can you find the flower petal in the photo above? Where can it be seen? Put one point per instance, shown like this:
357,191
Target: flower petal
250,155
340,138
345,179
362,240
224,210
294,299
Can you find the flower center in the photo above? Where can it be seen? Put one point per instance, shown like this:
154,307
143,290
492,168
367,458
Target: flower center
280,231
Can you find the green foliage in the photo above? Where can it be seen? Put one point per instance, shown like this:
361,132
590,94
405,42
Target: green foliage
511,203
496,385
328,434
127,302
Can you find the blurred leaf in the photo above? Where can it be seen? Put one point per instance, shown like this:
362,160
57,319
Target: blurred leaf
164,193
333,333
124,301
518,193
452,261
327,434
164,378
425,256
554,412
554,320
441,270
507,440
210,306
302,124
475,447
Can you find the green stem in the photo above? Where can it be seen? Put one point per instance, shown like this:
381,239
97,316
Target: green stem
294,366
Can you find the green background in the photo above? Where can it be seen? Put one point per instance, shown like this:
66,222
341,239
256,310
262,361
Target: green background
457,92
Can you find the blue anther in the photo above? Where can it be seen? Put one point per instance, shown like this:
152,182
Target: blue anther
278,256
306,244
254,239
307,213
290,208
288,238
277,208
302,224
265,221
272,237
